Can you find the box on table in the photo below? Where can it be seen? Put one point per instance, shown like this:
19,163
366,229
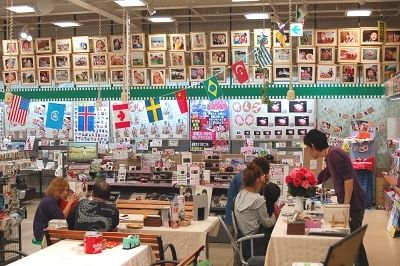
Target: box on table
296,228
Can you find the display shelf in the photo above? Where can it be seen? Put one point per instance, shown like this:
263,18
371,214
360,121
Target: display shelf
391,179
131,184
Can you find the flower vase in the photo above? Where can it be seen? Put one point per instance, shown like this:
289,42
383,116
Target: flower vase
298,204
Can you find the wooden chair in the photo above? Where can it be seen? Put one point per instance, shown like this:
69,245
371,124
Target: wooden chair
190,260
148,207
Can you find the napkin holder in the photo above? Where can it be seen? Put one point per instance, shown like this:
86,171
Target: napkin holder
130,242
152,220
296,227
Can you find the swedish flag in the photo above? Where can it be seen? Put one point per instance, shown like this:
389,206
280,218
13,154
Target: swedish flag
153,108
212,88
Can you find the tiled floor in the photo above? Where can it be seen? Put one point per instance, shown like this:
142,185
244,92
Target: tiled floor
381,248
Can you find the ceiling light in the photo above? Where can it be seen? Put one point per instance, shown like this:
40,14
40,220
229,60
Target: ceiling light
358,13
21,9
23,34
161,19
126,3
29,38
65,24
257,16
244,1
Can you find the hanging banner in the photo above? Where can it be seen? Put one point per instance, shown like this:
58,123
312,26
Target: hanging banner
381,31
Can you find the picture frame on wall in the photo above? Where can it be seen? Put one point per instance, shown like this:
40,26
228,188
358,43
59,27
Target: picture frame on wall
178,42
308,38
10,77
26,47
287,38
177,58
177,74
240,54
389,70
348,73
81,76
349,54
116,60
10,62
117,75
80,61
306,73
63,46
62,61
62,75
100,45
10,47
80,44
219,57
139,77
99,61
306,55
326,37
198,58
28,77
27,62
198,40
219,73
138,42
326,72
158,77
369,36
156,59
44,61
281,72
44,76
117,43
260,73
138,59
372,73
326,55
197,73
281,55
240,38
157,42
370,54
392,36
219,39
43,45
263,35
100,76
349,37
390,53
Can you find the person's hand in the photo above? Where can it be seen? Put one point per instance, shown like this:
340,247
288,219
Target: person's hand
73,198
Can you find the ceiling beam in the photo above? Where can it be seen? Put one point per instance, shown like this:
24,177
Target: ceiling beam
198,14
97,10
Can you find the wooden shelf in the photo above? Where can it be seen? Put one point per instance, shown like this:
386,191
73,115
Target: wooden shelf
131,184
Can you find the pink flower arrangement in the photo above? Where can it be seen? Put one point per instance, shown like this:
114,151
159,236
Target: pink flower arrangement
301,182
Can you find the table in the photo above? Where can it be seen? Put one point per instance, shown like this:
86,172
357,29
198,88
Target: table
185,238
284,249
70,252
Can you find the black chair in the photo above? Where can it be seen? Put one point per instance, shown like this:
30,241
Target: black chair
18,255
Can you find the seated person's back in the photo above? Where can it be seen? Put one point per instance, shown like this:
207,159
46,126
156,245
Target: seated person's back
95,214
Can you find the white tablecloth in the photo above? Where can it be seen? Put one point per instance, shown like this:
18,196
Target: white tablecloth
70,252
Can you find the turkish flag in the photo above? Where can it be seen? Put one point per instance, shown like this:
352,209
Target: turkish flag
239,69
182,100
121,115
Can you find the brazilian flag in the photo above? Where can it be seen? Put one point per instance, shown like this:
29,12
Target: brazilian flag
212,88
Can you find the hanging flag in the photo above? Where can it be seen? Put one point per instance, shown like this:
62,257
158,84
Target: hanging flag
121,115
18,110
212,88
55,115
181,98
301,14
280,36
153,108
239,69
263,56
86,118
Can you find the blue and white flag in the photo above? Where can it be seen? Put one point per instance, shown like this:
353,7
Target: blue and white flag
55,115
263,56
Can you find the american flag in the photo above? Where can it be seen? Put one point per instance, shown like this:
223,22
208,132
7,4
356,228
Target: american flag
18,110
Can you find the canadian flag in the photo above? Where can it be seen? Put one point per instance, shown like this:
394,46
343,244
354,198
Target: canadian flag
121,115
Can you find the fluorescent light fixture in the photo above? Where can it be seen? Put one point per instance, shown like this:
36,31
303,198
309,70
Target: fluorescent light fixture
23,34
66,24
358,13
161,19
257,16
126,3
244,1
21,9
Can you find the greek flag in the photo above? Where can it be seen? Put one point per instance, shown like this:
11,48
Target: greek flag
263,56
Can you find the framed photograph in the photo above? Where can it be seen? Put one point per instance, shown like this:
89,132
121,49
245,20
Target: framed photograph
62,61
62,75
219,57
389,70
80,44
178,42
44,76
116,60
177,58
177,74
326,72
307,39
158,77
276,41
28,77
43,45
197,73
349,37
44,61
100,45
138,42
260,75
326,55
10,77
156,59
99,61
80,61
372,73
306,73
99,75
10,47
139,76
219,39
157,42
27,62
63,46
198,40
26,47
263,35
348,73
10,62
326,37
349,54
81,76
219,73
370,54
369,36
117,43
240,54
240,38
393,36
390,53
281,55
197,58
117,75
306,55
138,59
281,72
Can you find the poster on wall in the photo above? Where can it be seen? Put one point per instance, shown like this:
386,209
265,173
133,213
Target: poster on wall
280,119
209,125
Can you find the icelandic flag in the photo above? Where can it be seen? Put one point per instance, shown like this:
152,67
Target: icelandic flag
55,115
86,118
